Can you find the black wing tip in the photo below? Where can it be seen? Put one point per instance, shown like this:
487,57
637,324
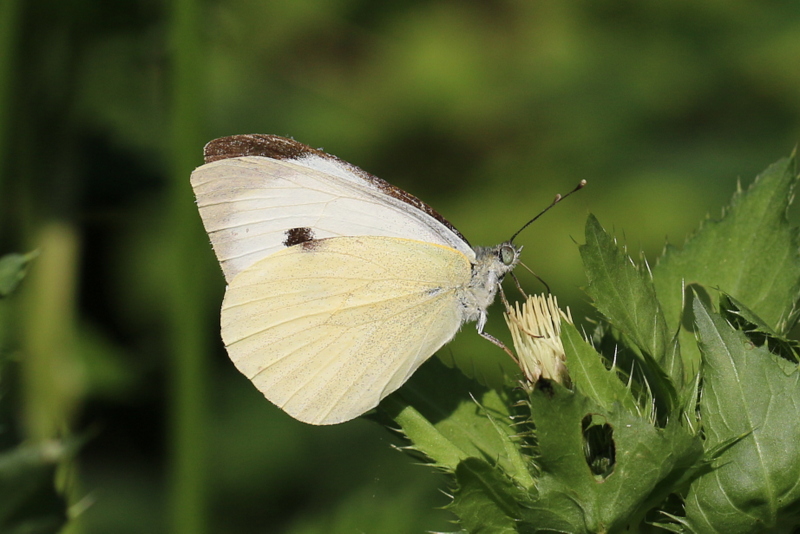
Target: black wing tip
265,145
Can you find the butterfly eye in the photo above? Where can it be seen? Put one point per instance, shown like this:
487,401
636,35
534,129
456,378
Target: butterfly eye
507,254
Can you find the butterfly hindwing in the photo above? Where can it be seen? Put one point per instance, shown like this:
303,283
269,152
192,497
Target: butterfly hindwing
327,328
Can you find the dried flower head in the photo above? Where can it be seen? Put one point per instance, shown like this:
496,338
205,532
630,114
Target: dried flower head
536,330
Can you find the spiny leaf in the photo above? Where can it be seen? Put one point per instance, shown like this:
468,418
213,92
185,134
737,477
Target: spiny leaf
450,418
626,296
622,292
485,501
751,254
749,393
590,376
646,463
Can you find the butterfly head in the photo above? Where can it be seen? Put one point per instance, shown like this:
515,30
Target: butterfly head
493,263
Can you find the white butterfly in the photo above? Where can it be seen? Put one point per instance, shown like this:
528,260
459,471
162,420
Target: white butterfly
340,285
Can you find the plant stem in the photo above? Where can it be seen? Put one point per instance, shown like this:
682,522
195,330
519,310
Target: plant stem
188,482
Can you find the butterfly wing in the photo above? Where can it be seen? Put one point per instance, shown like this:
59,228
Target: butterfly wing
262,193
326,329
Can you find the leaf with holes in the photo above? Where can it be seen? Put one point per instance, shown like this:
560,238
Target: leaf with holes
603,470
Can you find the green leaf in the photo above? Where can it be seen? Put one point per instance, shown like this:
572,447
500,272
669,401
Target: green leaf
645,464
12,270
590,376
748,393
449,418
751,254
626,296
485,501
623,292
29,503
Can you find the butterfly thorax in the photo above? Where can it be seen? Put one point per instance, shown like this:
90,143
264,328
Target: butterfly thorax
491,265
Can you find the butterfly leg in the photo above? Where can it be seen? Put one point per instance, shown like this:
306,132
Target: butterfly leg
490,337
516,282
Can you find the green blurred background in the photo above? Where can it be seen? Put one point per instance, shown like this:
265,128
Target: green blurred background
485,109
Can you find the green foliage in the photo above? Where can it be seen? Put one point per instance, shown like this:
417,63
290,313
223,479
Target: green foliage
752,393
12,271
625,295
750,254
29,502
679,416
450,419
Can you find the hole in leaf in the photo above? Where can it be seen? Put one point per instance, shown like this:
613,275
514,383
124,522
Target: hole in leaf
598,445
546,387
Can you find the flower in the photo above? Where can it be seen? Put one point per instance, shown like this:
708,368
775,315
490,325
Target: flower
536,330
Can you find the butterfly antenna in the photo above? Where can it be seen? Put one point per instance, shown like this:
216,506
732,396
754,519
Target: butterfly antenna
558,199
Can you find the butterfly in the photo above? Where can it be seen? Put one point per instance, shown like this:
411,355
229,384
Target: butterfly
340,285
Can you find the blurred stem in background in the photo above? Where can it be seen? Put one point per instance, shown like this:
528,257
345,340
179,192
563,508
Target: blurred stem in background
53,383
42,166
189,459
53,378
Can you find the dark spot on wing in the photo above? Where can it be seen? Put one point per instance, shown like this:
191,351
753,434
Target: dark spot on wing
295,236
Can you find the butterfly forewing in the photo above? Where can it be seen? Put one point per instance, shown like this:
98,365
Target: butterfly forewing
251,206
328,328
